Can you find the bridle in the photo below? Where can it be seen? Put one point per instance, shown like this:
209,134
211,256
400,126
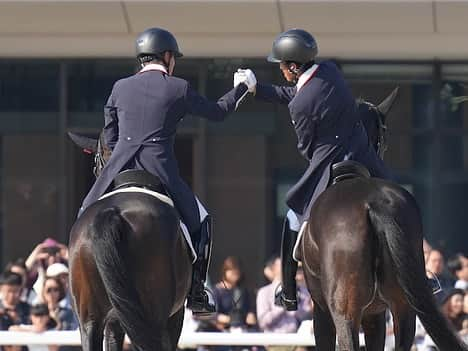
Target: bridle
101,156
381,130
382,145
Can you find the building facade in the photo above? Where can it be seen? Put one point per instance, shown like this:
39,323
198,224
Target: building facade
55,76
240,168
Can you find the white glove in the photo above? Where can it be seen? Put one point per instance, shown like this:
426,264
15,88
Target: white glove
239,77
247,77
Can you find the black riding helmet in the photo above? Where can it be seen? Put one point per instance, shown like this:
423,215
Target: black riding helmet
153,42
294,45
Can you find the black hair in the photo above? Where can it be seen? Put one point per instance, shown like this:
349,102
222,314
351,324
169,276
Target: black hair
271,260
39,309
19,262
11,278
154,58
454,263
149,58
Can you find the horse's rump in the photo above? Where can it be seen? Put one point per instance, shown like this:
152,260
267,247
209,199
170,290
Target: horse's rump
367,235
134,242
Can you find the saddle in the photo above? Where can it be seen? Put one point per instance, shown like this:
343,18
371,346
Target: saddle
348,170
140,179
136,180
339,171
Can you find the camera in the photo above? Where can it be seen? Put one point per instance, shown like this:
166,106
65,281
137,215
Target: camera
51,250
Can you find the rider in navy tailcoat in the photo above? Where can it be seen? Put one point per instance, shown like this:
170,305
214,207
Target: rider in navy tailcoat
328,128
141,118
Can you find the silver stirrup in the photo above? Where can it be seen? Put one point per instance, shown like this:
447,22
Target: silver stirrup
436,287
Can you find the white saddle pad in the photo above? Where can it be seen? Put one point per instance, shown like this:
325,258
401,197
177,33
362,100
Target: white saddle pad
167,200
296,245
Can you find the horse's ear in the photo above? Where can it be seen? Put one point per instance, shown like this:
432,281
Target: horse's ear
89,145
385,106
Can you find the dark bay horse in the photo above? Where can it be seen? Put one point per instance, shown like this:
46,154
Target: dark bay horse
130,272
362,253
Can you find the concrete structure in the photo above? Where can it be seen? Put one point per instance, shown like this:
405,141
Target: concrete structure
241,28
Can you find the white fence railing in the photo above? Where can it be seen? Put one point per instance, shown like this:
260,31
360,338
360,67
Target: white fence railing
187,339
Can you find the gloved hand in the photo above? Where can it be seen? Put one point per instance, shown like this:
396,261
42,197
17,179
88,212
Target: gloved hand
247,77
239,77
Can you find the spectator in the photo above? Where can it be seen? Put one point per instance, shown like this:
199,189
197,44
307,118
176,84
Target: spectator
465,304
427,248
60,271
12,309
268,271
232,299
44,255
53,292
435,265
272,318
305,305
452,307
458,266
421,338
464,331
40,322
19,267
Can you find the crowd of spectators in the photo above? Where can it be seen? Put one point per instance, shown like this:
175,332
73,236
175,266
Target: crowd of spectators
35,297
34,294
450,294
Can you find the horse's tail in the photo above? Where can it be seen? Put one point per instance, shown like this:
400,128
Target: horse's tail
409,268
109,237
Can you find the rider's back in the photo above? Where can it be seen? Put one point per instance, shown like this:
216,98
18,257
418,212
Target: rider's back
149,105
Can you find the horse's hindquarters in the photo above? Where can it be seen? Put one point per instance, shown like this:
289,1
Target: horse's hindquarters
130,265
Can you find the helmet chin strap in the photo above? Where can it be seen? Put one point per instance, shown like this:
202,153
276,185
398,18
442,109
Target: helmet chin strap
294,71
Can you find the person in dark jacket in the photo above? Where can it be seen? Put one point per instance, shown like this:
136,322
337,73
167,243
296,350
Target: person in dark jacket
328,127
141,118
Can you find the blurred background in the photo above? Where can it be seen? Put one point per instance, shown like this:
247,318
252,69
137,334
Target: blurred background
59,60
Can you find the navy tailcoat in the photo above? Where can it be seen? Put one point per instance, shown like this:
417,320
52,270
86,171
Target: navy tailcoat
328,128
141,118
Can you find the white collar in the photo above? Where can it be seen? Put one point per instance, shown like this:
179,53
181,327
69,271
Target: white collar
154,67
306,76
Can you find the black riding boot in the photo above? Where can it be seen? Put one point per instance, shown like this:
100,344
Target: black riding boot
198,300
287,296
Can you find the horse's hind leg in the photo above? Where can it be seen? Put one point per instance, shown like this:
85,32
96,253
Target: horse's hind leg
174,326
113,335
324,330
91,335
347,332
347,296
404,326
374,331
91,313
